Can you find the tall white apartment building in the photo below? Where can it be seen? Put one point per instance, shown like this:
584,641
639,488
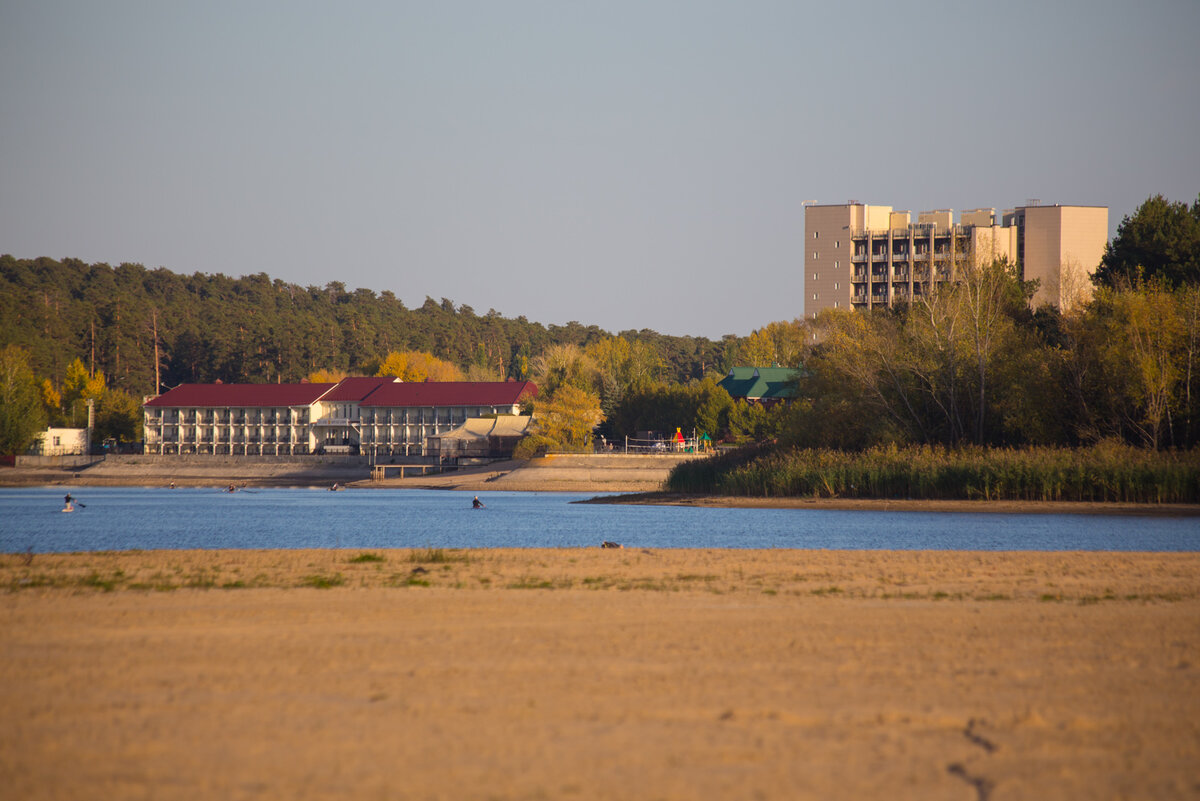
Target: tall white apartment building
860,257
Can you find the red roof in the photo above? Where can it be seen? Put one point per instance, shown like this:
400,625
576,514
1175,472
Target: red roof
451,393
356,388
222,395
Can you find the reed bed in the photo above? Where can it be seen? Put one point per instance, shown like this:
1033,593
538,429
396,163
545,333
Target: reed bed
1108,472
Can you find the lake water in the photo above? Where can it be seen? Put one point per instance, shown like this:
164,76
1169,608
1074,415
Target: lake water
124,518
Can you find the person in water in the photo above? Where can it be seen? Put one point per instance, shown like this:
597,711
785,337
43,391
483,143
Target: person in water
476,504
68,500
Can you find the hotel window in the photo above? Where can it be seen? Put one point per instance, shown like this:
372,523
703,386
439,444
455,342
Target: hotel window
837,265
816,276
816,255
837,285
816,234
814,296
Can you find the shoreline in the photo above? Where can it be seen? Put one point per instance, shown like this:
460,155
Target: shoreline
963,506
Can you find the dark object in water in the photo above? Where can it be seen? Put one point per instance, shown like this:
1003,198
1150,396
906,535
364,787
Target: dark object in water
607,544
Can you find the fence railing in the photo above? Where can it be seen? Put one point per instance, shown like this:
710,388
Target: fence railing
662,445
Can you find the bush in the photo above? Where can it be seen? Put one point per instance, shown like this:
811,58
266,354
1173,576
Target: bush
1108,472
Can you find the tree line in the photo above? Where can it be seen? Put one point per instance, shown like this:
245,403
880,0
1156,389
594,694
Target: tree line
139,326
136,332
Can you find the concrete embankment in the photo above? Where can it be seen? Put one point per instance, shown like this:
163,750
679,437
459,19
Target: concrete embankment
553,473
194,471
593,472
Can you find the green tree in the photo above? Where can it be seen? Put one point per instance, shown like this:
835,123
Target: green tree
929,372
21,414
1161,240
712,414
119,416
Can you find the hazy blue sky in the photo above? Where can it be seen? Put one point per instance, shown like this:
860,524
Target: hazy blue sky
627,164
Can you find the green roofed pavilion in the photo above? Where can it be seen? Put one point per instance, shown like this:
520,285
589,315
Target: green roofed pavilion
762,384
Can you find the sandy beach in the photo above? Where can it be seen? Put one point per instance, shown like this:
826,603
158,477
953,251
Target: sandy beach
613,674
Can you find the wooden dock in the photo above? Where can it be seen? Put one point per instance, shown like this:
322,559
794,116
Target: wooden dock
380,471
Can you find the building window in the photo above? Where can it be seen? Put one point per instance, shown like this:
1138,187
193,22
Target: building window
837,265
816,234
814,296
837,243
837,285
836,304
815,276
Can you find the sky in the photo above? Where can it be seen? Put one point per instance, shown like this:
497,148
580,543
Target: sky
623,164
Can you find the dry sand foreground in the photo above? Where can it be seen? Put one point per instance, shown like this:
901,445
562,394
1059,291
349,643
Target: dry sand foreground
619,674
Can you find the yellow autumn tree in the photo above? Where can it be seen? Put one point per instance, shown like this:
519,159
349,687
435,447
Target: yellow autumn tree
51,400
78,388
562,422
324,376
779,343
416,366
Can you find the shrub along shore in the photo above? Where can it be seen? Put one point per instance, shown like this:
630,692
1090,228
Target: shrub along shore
1107,473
